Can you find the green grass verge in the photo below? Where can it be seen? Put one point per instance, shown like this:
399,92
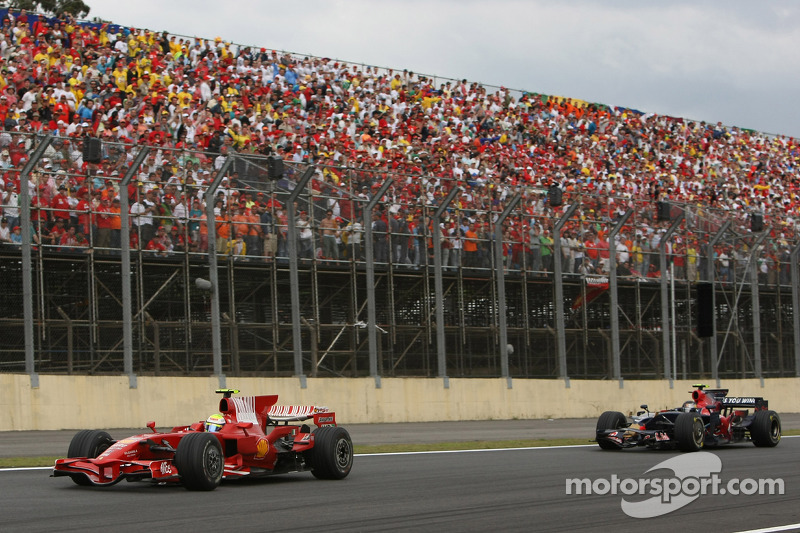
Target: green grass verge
467,445
23,462
27,462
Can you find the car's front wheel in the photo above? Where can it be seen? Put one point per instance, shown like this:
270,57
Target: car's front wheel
332,454
690,432
88,443
610,420
200,461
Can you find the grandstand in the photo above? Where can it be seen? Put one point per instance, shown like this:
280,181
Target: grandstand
357,215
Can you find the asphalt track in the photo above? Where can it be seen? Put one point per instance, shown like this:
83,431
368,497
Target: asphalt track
508,490
55,443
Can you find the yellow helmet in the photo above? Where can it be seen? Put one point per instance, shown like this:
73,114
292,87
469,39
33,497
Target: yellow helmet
214,423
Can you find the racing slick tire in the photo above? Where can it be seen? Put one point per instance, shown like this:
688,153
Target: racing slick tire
765,429
690,432
200,461
610,420
332,454
88,443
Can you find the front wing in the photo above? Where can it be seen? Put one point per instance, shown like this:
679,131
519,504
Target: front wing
104,473
631,437
110,472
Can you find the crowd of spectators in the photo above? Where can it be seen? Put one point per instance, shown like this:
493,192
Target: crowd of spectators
198,101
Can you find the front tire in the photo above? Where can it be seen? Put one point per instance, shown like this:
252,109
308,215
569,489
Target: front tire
88,443
610,420
200,461
765,429
332,454
690,432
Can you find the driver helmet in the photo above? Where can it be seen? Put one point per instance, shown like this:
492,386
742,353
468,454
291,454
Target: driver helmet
689,405
214,423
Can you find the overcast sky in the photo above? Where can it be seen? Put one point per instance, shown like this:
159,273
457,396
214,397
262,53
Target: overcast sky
737,62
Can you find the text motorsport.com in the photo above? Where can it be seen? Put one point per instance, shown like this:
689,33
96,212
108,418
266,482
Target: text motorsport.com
668,488
694,475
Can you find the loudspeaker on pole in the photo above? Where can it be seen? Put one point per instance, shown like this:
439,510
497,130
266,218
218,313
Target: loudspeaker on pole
92,150
756,222
663,211
554,196
705,309
275,168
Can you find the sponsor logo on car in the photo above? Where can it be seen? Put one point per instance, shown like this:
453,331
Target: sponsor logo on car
262,447
735,399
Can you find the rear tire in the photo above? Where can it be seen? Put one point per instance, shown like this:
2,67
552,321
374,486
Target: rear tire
610,420
88,443
765,429
200,461
332,454
690,432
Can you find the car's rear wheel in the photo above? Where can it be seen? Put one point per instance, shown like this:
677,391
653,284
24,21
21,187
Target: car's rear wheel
332,454
610,420
200,461
765,430
88,443
690,432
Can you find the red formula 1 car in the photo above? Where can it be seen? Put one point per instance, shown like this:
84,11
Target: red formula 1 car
710,418
250,437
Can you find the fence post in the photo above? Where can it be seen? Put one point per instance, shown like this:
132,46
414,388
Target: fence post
756,303
796,308
441,353
712,279
125,266
294,283
500,276
211,222
27,264
558,286
369,256
616,371
665,322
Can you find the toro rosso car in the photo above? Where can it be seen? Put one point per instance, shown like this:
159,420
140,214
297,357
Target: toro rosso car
710,418
249,437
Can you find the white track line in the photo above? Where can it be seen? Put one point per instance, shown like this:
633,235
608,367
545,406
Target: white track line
449,451
788,527
478,450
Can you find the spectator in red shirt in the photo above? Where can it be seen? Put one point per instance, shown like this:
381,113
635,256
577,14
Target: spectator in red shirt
160,243
38,214
55,234
104,224
60,205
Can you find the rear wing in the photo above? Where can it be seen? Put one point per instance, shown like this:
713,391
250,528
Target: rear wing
254,409
261,410
752,402
297,413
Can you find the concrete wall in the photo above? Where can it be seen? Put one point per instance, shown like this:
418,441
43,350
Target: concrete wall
78,402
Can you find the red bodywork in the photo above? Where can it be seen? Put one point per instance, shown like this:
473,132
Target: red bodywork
715,402
257,439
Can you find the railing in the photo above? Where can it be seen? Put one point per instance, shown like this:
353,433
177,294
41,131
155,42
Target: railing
78,329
